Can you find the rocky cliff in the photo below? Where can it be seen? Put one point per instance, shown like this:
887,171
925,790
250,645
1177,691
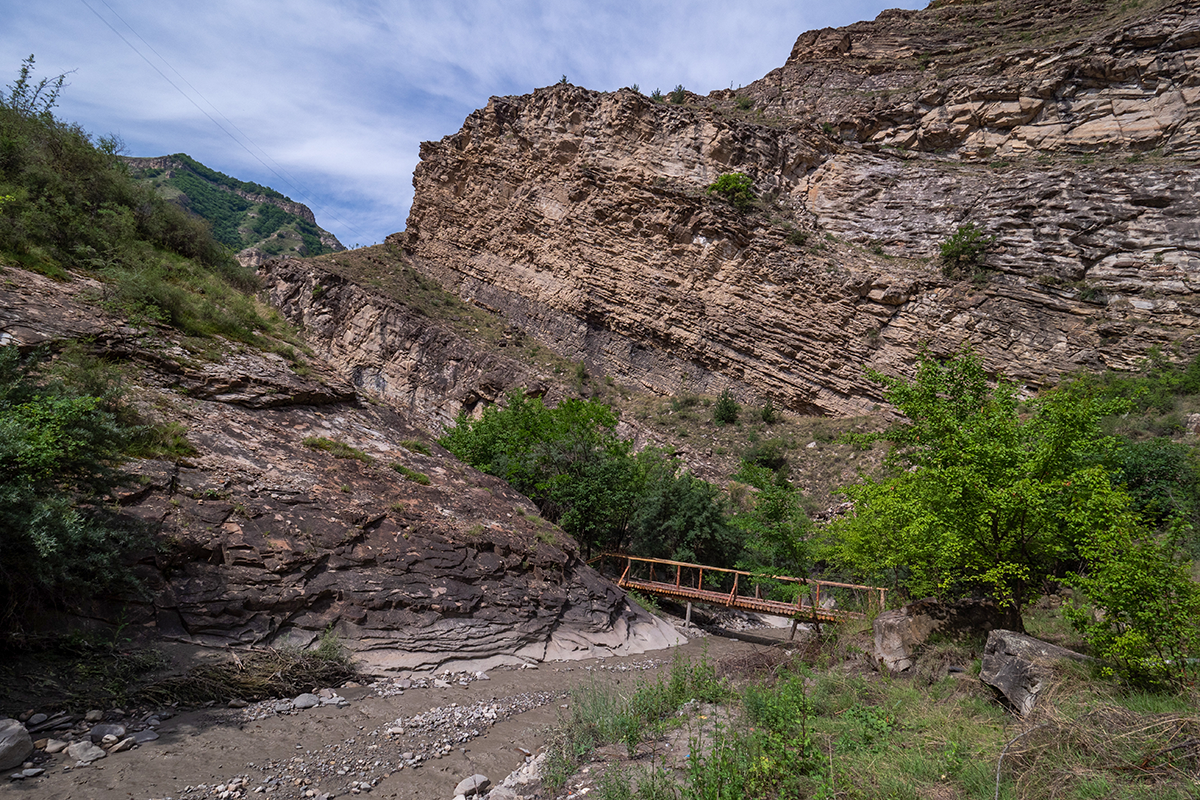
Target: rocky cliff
304,508
1067,130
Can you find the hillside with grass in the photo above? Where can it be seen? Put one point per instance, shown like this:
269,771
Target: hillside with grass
244,216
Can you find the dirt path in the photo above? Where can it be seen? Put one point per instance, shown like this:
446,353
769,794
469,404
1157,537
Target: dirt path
369,745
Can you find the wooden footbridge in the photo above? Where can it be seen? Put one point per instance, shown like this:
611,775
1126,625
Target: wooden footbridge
815,601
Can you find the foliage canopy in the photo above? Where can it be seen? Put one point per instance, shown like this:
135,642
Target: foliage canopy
981,495
571,463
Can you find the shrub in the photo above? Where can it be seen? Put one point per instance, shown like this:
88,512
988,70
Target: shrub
962,251
726,409
656,96
678,95
411,474
59,453
736,188
337,449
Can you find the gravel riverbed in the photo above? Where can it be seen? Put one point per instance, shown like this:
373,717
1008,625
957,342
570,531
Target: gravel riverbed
416,736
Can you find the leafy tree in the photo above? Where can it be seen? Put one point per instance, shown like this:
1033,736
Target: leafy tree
962,251
570,462
567,459
59,452
775,525
1149,620
680,516
980,494
726,409
736,188
34,99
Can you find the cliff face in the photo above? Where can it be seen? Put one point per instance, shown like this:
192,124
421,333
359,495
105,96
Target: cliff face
264,538
1069,133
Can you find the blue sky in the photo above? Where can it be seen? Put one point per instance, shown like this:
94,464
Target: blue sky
328,101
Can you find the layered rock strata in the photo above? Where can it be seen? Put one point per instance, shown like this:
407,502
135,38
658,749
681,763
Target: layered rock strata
1070,133
266,536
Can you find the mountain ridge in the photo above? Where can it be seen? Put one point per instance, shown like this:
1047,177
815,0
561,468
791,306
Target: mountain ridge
248,227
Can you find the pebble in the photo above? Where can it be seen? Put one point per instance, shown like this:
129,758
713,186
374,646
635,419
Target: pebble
85,752
95,715
33,772
38,719
306,701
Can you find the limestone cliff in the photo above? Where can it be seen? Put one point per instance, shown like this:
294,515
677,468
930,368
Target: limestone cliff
1068,130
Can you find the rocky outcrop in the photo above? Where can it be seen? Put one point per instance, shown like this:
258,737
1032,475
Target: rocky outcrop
304,509
390,351
1019,667
1069,133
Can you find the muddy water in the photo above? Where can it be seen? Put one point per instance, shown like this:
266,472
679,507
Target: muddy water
212,747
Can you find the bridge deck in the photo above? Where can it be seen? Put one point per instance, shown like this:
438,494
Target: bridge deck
694,591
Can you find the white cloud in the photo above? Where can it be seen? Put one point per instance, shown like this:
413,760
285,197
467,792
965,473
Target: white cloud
339,94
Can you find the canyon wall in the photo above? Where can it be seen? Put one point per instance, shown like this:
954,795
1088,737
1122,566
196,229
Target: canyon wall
1068,131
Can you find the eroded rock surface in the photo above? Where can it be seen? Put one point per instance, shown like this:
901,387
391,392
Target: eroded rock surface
265,536
1069,132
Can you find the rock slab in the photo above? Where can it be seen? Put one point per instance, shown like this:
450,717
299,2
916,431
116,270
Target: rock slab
1019,666
15,744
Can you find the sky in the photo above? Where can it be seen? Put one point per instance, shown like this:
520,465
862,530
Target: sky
328,101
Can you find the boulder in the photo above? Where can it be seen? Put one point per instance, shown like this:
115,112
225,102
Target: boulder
899,633
15,744
1019,666
476,784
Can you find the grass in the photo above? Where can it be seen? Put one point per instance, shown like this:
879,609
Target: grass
337,449
601,715
411,474
821,724
414,446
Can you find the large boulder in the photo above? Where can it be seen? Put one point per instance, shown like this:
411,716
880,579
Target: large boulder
900,633
15,744
1019,666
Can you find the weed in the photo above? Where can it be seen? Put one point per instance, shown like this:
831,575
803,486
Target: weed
414,446
411,474
337,449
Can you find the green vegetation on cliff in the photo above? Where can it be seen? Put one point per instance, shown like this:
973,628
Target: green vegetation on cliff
238,216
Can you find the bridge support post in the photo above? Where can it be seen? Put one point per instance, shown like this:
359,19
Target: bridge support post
795,622
687,619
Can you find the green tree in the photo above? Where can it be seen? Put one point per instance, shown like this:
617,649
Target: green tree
775,525
726,409
568,460
1149,620
680,516
981,494
59,453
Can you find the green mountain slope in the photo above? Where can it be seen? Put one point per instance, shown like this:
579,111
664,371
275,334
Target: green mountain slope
242,214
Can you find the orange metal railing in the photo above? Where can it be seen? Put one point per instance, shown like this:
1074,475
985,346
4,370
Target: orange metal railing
689,585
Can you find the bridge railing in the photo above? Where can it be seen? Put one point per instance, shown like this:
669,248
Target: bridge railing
744,588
